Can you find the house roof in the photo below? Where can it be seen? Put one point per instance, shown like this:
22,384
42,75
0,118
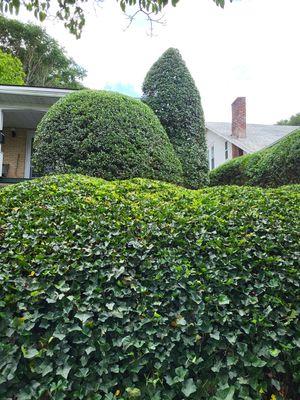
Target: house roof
24,106
25,97
257,136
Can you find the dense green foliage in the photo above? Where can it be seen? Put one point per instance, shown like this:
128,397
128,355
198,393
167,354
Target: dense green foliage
11,70
274,166
170,91
294,120
44,60
139,289
72,13
104,134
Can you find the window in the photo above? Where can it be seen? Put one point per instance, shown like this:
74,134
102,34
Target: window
212,157
226,150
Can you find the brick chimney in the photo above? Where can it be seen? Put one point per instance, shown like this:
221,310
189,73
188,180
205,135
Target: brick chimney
238,127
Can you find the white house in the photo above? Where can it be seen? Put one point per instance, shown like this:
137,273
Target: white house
229,140
21,109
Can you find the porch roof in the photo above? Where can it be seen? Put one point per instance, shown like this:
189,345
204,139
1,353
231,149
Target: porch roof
25,97
24,106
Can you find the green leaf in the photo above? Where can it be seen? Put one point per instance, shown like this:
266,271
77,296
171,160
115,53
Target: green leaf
215,335
83,316
133,393
223,299
59,336
110,306
30,352
64,371
275,352
225,394
189,387
258,362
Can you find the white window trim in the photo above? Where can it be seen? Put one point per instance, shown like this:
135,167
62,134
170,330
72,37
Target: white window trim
212,157
226,150
30,135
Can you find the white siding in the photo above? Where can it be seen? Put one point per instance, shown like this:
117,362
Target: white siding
216,144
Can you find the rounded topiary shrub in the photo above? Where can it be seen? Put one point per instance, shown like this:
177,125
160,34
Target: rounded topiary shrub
138,289
104,134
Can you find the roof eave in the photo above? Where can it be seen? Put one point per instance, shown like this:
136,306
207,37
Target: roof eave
34,91
278,140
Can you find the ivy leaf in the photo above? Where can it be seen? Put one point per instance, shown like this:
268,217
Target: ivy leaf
223,299
48,368
30,352
231,337
225,394
64,371
258,363
59,336
133,393
83,316
274,352
110,306
89,350
189,387
215,335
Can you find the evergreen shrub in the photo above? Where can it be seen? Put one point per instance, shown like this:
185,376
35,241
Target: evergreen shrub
104,134
275,166
171,92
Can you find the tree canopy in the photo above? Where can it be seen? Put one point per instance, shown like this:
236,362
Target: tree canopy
44,60
71,12
293,121
170,91
11,70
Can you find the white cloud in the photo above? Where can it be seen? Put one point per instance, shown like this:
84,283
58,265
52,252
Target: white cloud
249,49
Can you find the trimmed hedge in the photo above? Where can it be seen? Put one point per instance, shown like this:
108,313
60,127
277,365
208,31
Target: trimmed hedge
139,289
275,166
104,134
171,92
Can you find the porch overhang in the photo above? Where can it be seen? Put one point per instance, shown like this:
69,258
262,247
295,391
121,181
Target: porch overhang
22,107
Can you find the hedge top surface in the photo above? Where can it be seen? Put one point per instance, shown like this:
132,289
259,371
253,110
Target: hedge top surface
104,134
275,166
139,289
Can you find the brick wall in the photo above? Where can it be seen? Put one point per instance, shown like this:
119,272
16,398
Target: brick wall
239,117
14,150
236,151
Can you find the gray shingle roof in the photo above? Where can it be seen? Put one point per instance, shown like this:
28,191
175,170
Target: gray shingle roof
257,136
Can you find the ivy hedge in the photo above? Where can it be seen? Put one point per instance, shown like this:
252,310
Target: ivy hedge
104,134
275,166
143,290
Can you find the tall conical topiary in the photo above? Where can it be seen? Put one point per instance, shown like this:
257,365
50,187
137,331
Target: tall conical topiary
170,91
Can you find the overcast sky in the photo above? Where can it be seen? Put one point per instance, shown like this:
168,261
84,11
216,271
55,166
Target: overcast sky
250,48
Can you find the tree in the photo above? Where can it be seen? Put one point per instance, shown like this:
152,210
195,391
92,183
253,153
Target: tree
106,134
45,62
11,70
294,120
71,11
170,91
